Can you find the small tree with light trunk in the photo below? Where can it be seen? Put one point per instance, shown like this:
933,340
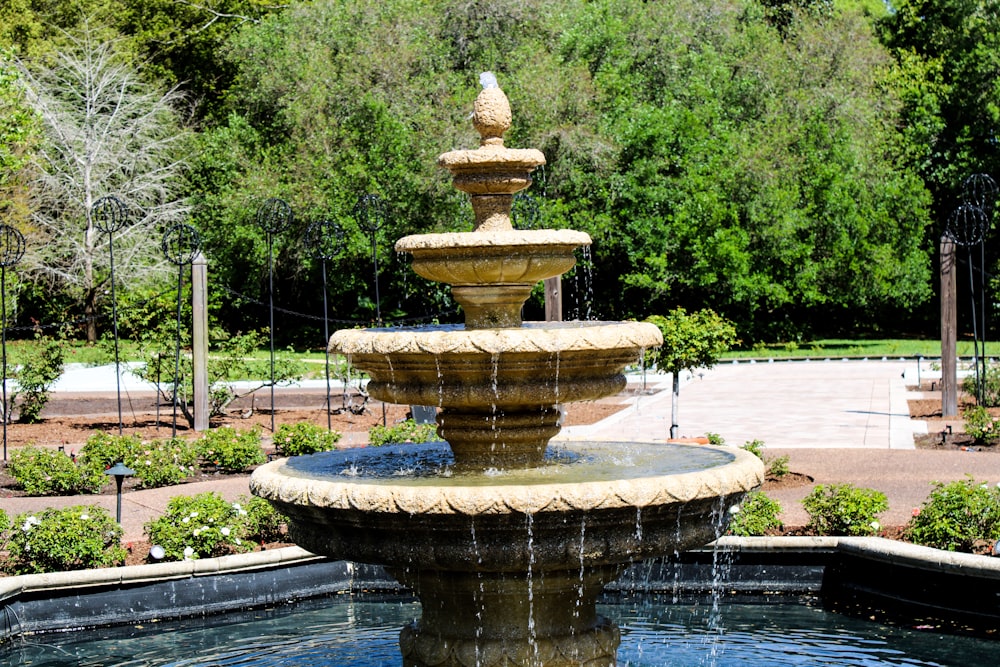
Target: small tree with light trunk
690,340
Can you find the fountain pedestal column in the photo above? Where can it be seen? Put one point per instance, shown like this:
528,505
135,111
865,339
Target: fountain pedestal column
549,619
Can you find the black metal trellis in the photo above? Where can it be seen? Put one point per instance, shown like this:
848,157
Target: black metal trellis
12,248
180,245
325,239
968,226
370,214
273,216
109,214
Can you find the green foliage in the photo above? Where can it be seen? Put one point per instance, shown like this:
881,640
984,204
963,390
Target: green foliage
777,466
201,526
231,450
956,516
693,340
304,438
406,431
262,522
156,463
844,509
40,471
164,462
4,530
19,139
980,424
715,439
991,386
39,366
757,514
107,449
57,540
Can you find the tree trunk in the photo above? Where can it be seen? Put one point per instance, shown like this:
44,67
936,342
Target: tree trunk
90,311
674,399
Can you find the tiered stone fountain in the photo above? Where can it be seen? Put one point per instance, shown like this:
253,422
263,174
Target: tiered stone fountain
506,539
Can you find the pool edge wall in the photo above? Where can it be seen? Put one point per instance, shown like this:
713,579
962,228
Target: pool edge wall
873,577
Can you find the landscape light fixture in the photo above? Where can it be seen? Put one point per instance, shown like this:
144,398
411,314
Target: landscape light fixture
119,471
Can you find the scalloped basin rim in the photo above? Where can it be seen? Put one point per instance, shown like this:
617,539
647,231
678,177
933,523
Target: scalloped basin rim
531,337
300,481
516,240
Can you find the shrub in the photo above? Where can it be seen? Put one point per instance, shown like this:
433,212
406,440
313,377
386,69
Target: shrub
304,438
991,386
107,449
43,472
956,516
56,540
231,450
40,365
163,462
200,526
406,431
4,529
262,522
776,466
844,509
980,424
755,516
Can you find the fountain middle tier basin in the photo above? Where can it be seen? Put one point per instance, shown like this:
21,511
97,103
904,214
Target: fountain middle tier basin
496,370
589,505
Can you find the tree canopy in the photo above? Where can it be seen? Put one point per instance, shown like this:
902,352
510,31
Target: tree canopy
777,161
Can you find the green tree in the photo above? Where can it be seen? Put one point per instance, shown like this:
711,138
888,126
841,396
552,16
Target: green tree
19,137
106,132
694,340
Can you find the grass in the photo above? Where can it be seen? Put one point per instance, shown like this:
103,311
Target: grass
845,347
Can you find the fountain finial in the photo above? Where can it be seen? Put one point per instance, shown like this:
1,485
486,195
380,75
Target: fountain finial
491,112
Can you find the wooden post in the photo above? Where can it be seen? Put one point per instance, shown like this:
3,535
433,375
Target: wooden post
199,340
949,329
553,299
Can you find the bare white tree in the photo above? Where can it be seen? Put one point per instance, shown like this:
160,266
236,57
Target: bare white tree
107,132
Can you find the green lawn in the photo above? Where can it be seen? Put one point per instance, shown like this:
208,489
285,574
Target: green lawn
842,347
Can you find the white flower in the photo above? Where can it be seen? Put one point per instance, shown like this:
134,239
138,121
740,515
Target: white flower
236,506
875,525
194,515
186,520
735,509
225,531
188,553
197,532
84,516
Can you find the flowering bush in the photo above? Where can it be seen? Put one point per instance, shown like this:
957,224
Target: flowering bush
56,540
107,449
755,515
980,424
844,509
156,463
201,526
956,516
40,471
403,432
231,450
263,523
304,438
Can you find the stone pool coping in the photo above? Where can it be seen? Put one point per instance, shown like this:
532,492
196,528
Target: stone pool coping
913,582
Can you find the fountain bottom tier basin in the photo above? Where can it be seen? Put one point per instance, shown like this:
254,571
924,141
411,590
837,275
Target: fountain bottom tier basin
508,565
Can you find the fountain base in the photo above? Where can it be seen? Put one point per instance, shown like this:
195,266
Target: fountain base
504,620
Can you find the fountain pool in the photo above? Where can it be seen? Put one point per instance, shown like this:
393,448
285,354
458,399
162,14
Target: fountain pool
362,631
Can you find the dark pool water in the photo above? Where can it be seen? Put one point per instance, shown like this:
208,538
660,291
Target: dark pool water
363,631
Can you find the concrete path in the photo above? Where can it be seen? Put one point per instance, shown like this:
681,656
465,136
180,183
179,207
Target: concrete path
837,421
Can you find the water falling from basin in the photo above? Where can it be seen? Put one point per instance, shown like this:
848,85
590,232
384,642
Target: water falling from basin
506,540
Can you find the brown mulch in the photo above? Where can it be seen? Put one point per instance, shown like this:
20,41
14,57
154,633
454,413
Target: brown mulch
945,433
